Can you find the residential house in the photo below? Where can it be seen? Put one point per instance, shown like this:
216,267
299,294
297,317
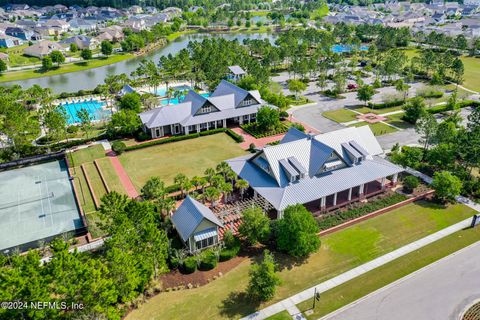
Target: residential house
42,49
235,73
18,32
135,24
135,10
227,105
113,33
9,42
61,25
323,172
82,42
82,25
197,225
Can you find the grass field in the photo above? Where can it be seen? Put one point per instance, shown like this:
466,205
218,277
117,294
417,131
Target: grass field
396,120
93,219
84,195
97,184
284,315
190,157
224,298
86,155
65,68
340,115
111,176
376,111
380,277
378,128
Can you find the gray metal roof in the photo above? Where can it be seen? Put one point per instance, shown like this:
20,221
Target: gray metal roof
226,99
293,134
312,154
237,70
189,215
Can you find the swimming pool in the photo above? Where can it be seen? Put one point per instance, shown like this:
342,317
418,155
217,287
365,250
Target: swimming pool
93,107
174,101
342,48
162,92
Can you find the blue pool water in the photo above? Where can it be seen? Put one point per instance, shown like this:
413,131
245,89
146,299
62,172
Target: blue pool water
162,92
342,48
174,101
94,108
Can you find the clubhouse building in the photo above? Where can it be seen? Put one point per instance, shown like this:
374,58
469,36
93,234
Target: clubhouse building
323,172
227,105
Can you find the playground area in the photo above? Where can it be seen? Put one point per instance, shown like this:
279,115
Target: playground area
36,203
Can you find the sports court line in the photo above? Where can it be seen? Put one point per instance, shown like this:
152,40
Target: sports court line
122,174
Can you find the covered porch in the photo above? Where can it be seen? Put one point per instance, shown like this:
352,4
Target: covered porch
345,197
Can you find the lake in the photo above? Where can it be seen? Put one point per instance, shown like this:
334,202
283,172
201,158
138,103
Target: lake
89,79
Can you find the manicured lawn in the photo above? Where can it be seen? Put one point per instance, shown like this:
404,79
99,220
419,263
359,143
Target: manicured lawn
84,195
86,155
376,111
284,315
396,120
111,176
190,157
341,251
378,128
382,276
340,115
95,180
65,68
472,73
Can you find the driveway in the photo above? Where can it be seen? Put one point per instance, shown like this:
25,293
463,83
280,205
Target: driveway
438,292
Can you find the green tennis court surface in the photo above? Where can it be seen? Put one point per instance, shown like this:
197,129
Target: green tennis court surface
36,202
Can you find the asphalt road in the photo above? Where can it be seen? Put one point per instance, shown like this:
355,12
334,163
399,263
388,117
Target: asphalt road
439,292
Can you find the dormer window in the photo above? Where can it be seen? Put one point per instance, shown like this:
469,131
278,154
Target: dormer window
247,102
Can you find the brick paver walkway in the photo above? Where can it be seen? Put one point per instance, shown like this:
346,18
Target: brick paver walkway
259,143
122,174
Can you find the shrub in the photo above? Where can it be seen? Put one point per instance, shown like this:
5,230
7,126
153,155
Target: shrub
227,254
72,129
283,114
236,137
209,260
119,147
410,183
338,217
298,126
189,265
142,136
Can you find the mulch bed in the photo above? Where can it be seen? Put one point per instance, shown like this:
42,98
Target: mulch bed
199,278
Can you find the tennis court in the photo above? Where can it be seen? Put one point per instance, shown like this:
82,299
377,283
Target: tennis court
36,202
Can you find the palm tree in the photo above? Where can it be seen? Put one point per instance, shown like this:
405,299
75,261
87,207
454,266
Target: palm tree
196,182
209,173
182,181
170,93
217,180
212,194
226,188
232,176
242,185
167,205
223,168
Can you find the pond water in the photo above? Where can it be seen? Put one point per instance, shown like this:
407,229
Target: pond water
89,79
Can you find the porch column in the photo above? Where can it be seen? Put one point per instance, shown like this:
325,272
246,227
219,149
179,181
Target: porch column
279,214
255,194
384,180
335,199
208,125
216,124
362,188
224,123
171,129
249,118
395,178
186,130
153,133
240,120
350,194
198,128
323,201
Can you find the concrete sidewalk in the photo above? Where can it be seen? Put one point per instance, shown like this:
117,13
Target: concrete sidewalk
290,303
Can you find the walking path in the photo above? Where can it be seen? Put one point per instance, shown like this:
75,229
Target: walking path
122,174
290,303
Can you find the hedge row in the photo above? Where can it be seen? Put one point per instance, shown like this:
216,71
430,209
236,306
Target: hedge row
229,132
461,104
390,104
253,130
431,94
339,217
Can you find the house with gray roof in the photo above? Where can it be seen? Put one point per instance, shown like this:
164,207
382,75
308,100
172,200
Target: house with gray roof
323,171
235,73
197,225
227,105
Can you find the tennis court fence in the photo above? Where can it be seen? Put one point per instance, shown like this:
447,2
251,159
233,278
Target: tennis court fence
32,160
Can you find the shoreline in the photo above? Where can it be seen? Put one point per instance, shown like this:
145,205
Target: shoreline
24,75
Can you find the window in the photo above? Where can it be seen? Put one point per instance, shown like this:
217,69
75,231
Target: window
205,243
247,102
203,125
192,128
